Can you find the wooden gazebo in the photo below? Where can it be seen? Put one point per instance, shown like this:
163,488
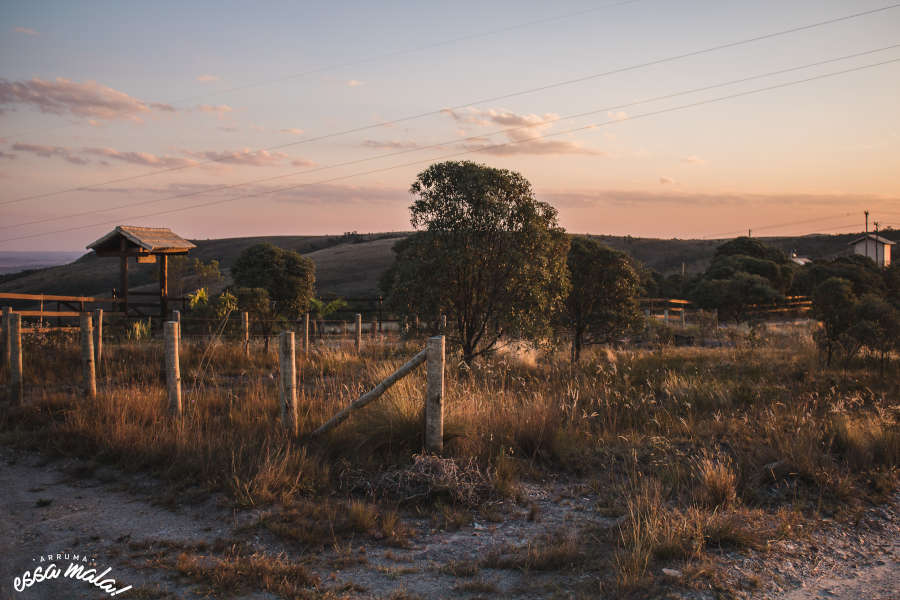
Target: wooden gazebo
144,244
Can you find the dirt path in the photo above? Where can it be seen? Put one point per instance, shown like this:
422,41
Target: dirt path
57,509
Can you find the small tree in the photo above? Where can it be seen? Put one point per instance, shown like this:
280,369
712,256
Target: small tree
322,309
876,326
256,302
833,304
602,302
286,276
486,253
186,275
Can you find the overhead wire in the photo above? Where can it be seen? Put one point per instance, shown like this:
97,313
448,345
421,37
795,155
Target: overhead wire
469,151
472,103
455,140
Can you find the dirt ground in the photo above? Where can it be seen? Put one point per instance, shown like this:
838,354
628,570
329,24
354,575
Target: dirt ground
58,508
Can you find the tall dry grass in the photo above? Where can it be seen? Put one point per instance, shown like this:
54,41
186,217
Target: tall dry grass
757,427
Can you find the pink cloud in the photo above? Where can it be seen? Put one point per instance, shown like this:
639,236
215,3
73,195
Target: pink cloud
220,110
51,152
25,30
89,99
207,78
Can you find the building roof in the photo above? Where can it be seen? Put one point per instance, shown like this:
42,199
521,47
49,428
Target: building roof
872,236
154,240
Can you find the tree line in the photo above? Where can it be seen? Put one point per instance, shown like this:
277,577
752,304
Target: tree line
494,259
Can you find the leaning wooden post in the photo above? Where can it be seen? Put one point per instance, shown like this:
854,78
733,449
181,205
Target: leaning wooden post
89,374
14,340
434,395
98,336
173,368
288,382
7,311
245,332
306,334
358,332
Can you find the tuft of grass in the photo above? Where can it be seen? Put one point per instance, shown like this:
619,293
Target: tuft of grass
242,573
715,479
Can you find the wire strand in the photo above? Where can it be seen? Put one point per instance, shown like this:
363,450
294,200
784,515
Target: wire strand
448,142
468,104
470,151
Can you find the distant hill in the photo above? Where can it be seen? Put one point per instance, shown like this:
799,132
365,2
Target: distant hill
350,265
352,269
13,262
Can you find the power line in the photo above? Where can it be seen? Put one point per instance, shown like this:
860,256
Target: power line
468,104
470,151
779,225
455,140
376,58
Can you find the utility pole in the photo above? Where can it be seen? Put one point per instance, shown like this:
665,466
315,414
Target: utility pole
876,244
867,233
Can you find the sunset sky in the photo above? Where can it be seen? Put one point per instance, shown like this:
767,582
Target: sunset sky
236,93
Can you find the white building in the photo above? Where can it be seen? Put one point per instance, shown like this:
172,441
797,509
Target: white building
875,247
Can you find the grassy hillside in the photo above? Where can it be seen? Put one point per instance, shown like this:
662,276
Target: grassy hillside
352,271
350,265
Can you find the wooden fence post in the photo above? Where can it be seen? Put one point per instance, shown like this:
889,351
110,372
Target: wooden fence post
173,368
98,336
434,395
358,332
288,386
176,316
683,317
306,334
89,374
666,316
7,311
374,327
16,382
443,322
245,332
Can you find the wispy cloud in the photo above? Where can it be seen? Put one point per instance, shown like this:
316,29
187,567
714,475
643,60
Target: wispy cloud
140,158
89,99
355,83
247,157
207,78
666,180
390,144
25,30
8,155
524,135
694,160
619,115
50,152
106,156
220,110
293,130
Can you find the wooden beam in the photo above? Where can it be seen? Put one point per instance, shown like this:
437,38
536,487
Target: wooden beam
163,286
372,394
123,278
51,298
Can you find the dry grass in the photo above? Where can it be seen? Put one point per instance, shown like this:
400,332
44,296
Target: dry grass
689,445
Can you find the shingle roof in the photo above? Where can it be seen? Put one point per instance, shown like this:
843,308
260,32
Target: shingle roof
151,239
872,236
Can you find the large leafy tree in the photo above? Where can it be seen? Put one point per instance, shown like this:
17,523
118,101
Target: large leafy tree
833,304
602,302
744,272
287,277
486,253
